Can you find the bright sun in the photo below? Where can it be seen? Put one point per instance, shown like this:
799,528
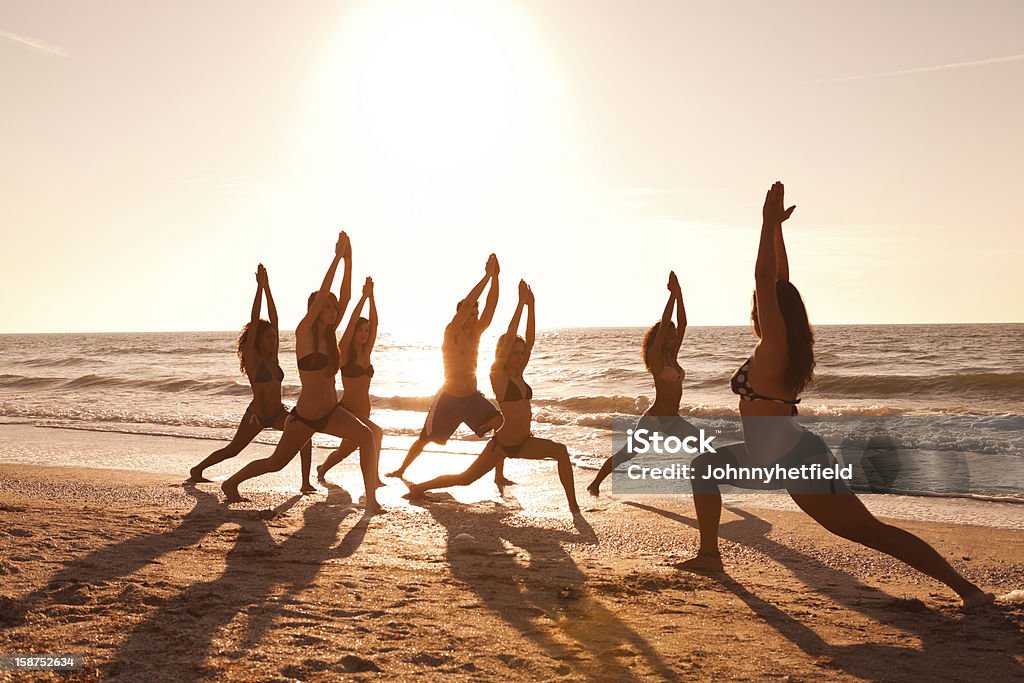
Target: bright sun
440,90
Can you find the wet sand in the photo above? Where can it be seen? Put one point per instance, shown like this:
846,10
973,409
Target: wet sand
149,579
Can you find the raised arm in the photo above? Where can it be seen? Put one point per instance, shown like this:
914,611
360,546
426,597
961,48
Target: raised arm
781,259
487,315
321,298
271,306
513,329
677,291
373,315
531,325
657,359
345,293
766,270
474,295
350,330
254,316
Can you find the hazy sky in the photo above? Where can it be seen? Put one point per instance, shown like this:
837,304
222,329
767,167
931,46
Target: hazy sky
155,152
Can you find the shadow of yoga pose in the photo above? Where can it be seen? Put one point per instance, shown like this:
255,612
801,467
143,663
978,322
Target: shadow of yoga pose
262,579
118,560
550,585
179,632
942,645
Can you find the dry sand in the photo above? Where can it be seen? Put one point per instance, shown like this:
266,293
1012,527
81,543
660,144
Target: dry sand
151,580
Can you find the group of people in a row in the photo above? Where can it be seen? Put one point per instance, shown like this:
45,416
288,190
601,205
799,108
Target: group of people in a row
780,367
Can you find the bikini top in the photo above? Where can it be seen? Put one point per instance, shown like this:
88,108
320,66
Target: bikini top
514,393
740,384
670,373
313,361
353,370
265,374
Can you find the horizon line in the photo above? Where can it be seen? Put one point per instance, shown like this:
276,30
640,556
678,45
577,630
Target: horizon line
539,329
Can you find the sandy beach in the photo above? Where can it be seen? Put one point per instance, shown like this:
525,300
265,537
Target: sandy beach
148,579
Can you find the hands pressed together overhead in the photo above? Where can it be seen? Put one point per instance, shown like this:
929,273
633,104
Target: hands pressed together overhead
775,211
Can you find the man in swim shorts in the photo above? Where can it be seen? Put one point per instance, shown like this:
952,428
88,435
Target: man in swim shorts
459,401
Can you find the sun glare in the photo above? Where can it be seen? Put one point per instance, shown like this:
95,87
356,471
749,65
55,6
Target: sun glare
439,91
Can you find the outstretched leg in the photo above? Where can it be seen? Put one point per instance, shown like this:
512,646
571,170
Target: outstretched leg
607,468
295,435
845,515
247,430
344,450
414,452
483,464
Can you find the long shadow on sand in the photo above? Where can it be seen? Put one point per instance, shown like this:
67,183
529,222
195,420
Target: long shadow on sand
262,583
982,642
118,560
544,598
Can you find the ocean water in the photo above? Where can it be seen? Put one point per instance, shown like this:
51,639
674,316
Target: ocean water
939,392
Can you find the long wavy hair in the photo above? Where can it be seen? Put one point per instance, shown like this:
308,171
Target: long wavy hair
649,343
499,348
799,373
328,334
262,326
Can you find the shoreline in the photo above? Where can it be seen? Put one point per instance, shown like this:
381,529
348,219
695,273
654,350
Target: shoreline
28,445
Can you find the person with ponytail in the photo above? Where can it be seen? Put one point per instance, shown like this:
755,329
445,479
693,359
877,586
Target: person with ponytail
257,359
318,408
769,385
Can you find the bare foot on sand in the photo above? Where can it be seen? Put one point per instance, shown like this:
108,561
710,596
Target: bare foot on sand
231,494
321,474
397,474
308,488
504,481
703,562
976,600
594,489
196,477
415,492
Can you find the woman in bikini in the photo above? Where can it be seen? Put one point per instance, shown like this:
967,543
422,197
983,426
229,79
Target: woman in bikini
769,384
354,350
318,408
660,353
513,438
257,358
